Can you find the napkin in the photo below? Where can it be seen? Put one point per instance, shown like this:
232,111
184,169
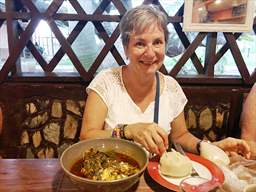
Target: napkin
238,174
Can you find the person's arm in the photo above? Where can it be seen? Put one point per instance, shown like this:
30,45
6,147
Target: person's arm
94,117
181,135
248,116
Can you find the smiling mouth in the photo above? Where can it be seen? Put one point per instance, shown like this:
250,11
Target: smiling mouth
147,62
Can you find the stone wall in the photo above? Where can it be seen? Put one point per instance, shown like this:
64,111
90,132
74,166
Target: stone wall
208,122
41,120
50,126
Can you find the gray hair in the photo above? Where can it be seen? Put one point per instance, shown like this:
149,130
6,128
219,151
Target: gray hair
139,18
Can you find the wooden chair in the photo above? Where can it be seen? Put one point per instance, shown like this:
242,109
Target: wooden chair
213,113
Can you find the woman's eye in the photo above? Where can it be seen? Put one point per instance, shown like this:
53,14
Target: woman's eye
158,42
139,44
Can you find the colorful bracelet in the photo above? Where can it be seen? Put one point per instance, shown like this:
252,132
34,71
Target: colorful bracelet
119,132
116,132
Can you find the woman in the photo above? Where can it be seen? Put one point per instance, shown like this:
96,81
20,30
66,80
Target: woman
121,101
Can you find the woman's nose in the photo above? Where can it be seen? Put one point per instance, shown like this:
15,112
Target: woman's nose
149,52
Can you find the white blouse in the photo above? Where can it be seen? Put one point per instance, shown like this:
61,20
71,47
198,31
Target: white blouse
108,84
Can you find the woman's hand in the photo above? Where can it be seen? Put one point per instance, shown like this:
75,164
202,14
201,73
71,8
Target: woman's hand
150,135
232,145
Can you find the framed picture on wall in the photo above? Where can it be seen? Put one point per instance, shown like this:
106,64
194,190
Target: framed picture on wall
218,15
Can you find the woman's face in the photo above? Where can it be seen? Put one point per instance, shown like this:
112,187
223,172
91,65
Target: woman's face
146,51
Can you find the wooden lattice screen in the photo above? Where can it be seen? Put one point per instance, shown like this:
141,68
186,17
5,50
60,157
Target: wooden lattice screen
19,38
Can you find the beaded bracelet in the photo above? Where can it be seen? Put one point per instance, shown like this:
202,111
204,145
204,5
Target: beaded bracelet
119,132
116,132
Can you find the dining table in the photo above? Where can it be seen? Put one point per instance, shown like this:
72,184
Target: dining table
18,175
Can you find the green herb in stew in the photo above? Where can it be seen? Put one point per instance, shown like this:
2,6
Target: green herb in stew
105,166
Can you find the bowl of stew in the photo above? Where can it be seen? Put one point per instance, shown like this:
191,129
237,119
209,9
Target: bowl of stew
104,165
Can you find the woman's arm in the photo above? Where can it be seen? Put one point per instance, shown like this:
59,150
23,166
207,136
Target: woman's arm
94,117
181,135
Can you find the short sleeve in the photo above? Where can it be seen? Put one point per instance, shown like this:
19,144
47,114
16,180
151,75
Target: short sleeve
178,99
181,100
100,84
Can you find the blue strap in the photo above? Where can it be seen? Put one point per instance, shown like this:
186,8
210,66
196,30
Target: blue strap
157,98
